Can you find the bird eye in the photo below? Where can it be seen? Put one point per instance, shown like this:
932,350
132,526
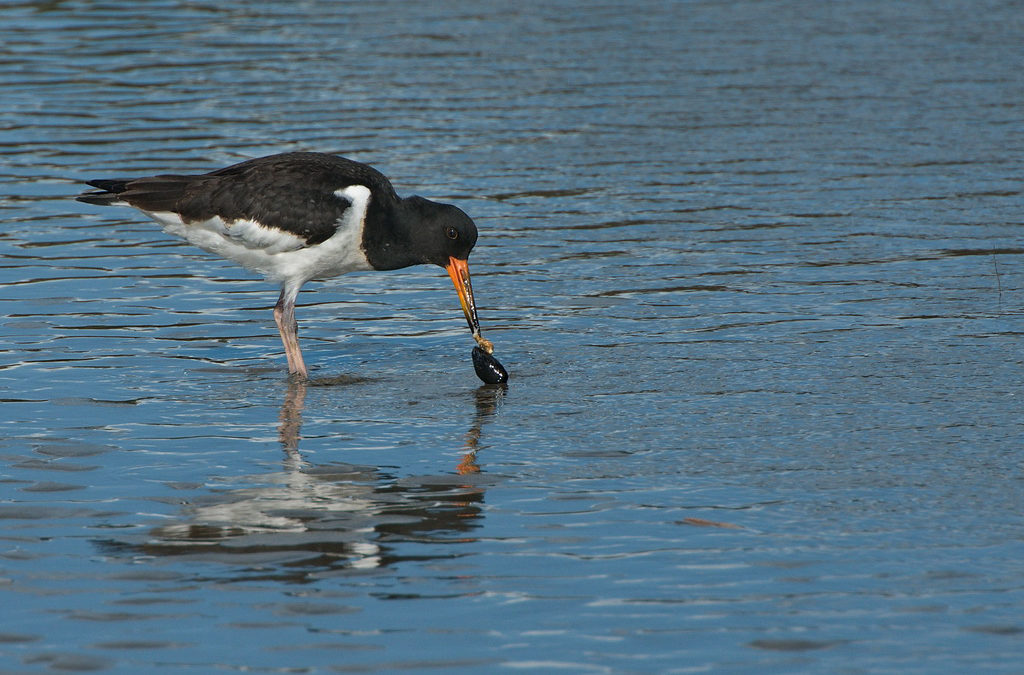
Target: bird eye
451,232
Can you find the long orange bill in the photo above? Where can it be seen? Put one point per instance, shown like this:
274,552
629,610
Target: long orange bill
458,270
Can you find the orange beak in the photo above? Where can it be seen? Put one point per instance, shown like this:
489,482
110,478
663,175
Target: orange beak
458,270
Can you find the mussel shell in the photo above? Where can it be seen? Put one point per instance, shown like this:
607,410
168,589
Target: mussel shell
488,368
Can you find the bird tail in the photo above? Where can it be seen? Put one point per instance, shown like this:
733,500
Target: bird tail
156,193
108,193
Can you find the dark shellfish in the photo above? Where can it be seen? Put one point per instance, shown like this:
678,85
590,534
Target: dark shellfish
488,368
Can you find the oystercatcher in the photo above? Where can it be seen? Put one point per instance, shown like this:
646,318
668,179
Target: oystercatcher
299,216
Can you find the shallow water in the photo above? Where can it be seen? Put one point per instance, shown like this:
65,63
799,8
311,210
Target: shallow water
755,267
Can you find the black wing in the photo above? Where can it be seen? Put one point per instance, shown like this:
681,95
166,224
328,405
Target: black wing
293,192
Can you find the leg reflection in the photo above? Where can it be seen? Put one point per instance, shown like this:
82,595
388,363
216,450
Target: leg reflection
289,431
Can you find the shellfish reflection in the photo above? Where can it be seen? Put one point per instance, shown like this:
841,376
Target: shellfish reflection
310,520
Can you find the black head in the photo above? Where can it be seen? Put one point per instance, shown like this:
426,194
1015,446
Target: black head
437,232
417,231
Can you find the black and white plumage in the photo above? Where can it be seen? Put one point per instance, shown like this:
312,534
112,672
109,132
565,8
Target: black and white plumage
300,216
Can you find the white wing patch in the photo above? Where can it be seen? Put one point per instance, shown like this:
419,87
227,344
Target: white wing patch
279,255
267,239
223,237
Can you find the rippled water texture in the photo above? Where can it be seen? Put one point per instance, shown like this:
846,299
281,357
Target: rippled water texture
755,267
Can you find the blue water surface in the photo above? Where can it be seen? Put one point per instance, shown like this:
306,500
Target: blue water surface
756,269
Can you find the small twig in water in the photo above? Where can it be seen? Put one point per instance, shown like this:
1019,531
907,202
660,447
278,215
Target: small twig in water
999,284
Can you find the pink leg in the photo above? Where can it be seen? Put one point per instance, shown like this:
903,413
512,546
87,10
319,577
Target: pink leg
284,315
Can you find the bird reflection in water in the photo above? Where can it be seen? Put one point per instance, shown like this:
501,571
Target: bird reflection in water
310,520
487,398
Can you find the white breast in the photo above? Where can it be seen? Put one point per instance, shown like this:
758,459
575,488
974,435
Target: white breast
281,256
